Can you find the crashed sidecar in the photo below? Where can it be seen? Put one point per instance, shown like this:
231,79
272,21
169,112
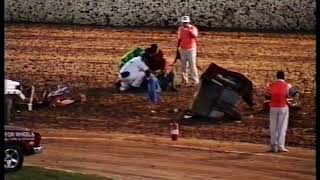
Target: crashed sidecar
220,92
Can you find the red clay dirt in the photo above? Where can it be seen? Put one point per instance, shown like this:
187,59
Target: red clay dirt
257,55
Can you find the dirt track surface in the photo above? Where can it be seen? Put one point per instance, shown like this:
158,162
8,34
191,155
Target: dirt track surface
257,55
131,157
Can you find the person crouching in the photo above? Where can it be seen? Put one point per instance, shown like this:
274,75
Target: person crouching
159,66
133,73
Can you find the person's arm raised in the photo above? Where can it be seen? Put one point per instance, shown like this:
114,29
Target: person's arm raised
193,31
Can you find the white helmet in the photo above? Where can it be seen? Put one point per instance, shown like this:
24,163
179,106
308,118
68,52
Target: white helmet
185,19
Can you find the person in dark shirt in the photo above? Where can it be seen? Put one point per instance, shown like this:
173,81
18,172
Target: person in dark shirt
158,65
158,61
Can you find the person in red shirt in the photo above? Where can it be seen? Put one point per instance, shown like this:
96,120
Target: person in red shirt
159,66
157,61
187,42
279,112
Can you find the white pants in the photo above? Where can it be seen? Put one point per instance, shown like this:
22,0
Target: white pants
278,126
188,60
134,79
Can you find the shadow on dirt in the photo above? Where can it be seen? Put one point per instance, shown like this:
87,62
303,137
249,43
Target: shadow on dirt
203,121
101,92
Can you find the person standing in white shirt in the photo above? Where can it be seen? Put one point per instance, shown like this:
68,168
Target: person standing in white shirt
11,91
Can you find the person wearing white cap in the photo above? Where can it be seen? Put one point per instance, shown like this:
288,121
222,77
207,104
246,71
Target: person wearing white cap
187,42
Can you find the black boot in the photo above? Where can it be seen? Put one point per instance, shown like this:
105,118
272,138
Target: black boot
117,86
